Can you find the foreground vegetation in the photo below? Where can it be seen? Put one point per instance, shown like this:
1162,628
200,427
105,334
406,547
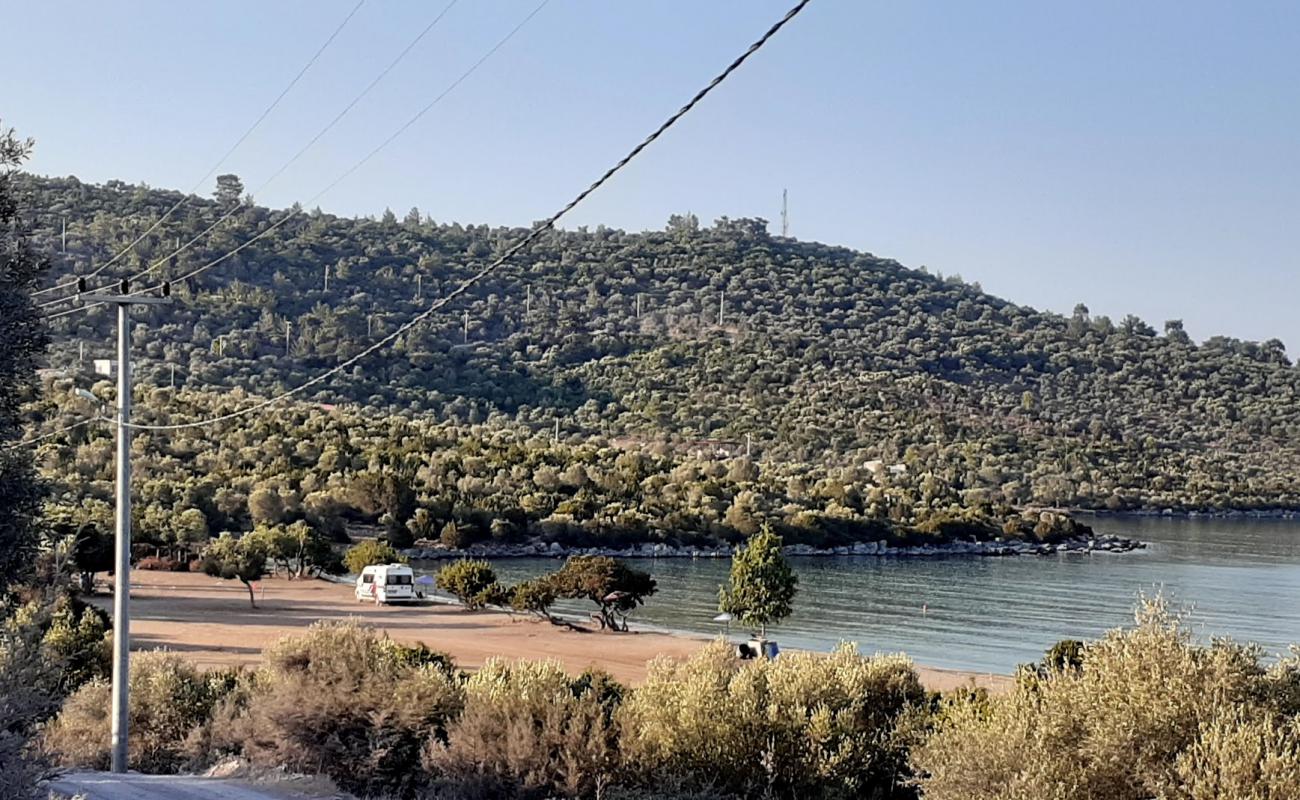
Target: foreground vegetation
1143,713
823,355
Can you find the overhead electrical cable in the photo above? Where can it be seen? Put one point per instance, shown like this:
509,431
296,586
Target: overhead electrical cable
56,432
238,207
185,197
509,253
347,173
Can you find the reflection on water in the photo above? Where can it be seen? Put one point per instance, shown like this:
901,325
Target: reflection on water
1240,577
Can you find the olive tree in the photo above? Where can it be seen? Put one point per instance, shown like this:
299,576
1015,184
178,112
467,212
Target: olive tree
612,585
229,558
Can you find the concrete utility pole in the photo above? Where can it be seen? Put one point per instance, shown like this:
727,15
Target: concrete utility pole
749,445
173,366
638,305
722,305
419,286
287,326
466,327
65,234
122,552
370,325
785,216
327,277
528,300
557,431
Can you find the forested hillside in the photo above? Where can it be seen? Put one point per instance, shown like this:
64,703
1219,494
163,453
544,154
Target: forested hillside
696,340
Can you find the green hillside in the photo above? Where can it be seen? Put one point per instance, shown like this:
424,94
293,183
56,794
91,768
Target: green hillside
822,355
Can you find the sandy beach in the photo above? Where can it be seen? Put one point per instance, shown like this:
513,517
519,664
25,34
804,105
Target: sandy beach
210,622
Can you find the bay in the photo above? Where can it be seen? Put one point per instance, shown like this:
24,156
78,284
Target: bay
1236,577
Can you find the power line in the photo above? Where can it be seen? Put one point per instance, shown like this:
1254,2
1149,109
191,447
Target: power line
510,252
185,197
347,173
328,127
52,434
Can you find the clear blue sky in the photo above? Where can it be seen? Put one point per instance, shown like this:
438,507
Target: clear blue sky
1139,157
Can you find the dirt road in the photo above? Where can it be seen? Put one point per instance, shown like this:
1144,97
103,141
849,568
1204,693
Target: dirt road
107,786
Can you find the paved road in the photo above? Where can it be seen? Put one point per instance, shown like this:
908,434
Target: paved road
107,786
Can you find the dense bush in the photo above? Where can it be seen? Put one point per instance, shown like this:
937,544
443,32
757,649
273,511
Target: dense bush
77,644
472,582
168,699
370,553
343,700
25,700
530,730
163,564
534,597
802,726
1147,713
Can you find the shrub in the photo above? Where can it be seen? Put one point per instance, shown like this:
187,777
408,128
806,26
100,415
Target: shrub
344,700
530,730
804,725
24,702
416,655
76,645
168,699
1237,754
1148,714
454,536
369,553
533,597
163,564
474,583
1065,654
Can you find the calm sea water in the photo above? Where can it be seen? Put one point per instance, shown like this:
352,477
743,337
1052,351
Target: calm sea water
1239,578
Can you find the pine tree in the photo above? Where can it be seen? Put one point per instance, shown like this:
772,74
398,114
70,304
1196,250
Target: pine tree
22,340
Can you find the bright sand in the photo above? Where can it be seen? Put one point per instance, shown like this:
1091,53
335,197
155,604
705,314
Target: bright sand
210,622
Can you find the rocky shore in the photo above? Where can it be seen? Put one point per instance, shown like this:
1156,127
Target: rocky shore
1232,513
1106,543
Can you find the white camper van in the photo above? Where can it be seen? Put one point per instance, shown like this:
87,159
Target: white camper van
386,583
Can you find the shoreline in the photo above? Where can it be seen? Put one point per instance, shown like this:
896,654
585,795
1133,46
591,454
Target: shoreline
995,548
209,621
1169,513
